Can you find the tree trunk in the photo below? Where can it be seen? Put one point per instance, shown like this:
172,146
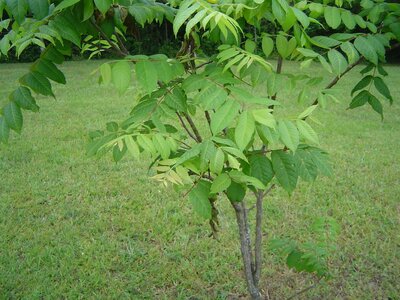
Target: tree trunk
245,248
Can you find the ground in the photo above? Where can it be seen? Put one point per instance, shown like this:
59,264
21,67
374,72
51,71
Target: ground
78,227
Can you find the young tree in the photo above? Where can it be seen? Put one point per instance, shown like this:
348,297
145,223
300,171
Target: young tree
202,120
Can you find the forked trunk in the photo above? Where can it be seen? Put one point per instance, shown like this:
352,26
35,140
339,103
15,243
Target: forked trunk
245,248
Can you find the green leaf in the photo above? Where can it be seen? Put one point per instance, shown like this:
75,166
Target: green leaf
119,152
307,132
146,143
88,9
240,177
53,55
48,69
13,116
289,134
146,74
307,169
360,21
221,183
235,152
301,17
261,168
244,130
338,62
250,46
321,160
65,4
236,192
307,52
141,111
268,135
184,12
161,146
207,152
4,131
121,75
18,9
264,116
382,88
351,52
198,196
217,162
224,116
176,100
376,105
189,154
267,45
67,29
194,83
39,8
211,96
332,16
282,46
366,49
324,42
308,111
325,64
278,12
132,147
284,166
362,84
103,5
360,99
38,83
105,72
195,20
348,19
23,98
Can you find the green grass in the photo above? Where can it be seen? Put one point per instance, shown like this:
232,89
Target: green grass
75,227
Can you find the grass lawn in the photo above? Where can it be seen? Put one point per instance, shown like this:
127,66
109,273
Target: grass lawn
76,227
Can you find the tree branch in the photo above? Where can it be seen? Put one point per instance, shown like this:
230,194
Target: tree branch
304,290
121,44
185,127
337,78
117,50
278,71
207,114
194,128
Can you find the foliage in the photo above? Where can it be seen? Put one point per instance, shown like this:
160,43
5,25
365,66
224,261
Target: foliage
66,217
253,143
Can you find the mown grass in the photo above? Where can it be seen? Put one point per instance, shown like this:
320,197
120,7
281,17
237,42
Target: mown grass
75,227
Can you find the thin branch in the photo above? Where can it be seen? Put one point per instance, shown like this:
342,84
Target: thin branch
304,290
121,44
194,128
269,190
278,71
337,78
117,50
204,64
185,127
207,114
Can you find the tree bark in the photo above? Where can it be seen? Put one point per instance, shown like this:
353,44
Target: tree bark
245,248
